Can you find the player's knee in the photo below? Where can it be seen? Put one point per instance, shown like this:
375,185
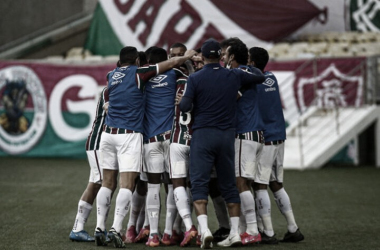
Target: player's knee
275,186
259,186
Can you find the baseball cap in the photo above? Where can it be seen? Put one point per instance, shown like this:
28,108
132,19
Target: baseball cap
211,48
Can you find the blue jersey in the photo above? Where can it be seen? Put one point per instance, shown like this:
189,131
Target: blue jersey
160,94
248,113
271,109
213,91
126,104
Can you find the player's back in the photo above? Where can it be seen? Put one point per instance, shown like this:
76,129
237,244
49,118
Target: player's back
159,103
248,112
126,109
271,108
216,90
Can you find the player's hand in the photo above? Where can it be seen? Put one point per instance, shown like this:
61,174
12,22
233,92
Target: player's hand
105,106
190,54
178,98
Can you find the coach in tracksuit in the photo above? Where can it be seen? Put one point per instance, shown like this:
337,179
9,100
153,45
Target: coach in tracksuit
212,93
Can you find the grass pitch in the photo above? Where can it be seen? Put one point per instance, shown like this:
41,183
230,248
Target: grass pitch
335,208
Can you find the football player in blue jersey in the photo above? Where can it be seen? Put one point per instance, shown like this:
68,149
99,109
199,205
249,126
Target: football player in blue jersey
160,94
248,143
270,168
122,138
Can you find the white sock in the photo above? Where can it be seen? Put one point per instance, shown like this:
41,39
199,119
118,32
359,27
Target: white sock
171,211
123,202
221,212
177,225
140,218
203,223
264,210
248,209
153,206
183,206
84,210
103,204
283,203
188,191
234,225
260,225
137,204
242,223
146,220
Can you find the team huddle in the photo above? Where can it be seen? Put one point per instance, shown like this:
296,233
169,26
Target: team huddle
200,129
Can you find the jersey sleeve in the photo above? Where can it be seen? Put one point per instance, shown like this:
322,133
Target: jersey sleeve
178,73
253,77
143,74
189,88
105,95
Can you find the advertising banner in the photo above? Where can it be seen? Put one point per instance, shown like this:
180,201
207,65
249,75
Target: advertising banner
161,23
47,110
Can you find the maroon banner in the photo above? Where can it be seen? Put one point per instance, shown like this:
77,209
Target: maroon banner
324,82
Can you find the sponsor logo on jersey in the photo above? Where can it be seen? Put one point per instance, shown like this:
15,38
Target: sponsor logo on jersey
269,82
118,75
158,79
23,109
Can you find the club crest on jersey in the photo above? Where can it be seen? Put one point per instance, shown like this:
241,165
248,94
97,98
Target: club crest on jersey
23,109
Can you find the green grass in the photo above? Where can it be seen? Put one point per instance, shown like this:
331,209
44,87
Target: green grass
335,208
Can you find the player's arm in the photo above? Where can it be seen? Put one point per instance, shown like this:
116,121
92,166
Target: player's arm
175,61
253,77
186,103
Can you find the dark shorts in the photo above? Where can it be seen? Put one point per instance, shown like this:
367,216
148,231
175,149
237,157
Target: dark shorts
209,147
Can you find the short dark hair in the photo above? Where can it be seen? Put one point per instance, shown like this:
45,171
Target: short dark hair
157,55
147,52
128,55
240,51
178,45
142,57
230,41
259,56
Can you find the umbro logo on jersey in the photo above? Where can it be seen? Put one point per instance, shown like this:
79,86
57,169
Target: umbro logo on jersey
118,75
269,82
158,78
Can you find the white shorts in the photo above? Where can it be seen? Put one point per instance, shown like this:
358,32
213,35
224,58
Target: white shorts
156,157
247,154
121,152
179,160
143,176
270,167
96,173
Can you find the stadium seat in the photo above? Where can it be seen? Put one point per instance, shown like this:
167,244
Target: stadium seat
91,58
75,52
